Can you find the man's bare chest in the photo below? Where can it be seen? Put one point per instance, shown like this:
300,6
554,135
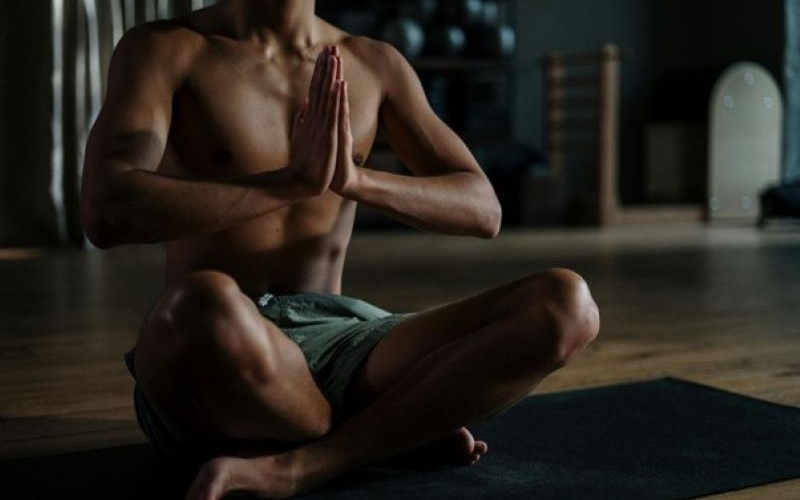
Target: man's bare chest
235,119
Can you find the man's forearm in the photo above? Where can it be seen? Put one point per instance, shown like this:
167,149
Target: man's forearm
459,203
139,206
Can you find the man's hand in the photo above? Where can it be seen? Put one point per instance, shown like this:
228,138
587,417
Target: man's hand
348,174
315,132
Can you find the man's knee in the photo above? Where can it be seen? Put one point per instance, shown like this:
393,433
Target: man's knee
214,325
563,303
198,296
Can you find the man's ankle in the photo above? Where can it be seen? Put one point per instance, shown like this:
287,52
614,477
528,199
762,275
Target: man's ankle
312,463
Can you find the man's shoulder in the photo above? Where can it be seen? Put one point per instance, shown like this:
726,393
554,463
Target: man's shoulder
167,36
374,51
381,57
167,42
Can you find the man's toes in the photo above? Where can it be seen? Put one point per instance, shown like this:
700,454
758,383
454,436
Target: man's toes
480,447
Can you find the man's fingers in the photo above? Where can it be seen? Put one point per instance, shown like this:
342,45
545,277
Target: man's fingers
345,135
300,116
327,72
325,89
333,112
321,96
319,93
313,90
333,70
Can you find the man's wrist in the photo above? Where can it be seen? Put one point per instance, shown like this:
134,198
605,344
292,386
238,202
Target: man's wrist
352,189
287,184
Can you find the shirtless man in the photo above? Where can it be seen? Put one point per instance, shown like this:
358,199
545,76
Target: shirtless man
237,136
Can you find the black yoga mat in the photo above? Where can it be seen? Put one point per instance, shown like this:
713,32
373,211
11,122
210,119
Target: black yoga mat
664,439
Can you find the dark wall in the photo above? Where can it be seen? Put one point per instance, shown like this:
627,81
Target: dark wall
3,156
677,49
28,216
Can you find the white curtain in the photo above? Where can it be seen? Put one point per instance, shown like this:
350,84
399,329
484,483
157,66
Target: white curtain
54,57
84,35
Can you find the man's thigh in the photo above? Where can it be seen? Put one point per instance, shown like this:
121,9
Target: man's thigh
417,336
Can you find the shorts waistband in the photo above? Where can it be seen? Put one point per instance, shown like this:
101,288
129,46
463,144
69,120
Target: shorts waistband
263,300
267,298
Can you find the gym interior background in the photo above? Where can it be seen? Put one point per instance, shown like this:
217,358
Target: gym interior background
484,66
681,293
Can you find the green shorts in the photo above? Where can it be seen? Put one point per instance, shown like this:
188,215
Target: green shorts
335,333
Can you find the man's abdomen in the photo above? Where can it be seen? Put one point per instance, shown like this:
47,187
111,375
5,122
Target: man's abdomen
289,251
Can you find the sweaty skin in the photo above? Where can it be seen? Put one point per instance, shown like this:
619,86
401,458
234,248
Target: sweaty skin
193,146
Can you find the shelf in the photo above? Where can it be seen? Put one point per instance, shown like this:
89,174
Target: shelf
384,151
456,64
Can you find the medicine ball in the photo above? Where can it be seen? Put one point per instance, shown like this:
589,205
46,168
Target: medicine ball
406,34
422,10
444,39
462,12
491,12
492,41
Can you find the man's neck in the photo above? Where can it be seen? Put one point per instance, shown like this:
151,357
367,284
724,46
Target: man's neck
288,24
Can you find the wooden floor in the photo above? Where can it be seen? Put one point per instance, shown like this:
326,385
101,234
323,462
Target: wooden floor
720,306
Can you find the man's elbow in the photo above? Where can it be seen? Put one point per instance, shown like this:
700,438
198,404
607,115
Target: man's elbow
490,221
98,231
97,227
101,239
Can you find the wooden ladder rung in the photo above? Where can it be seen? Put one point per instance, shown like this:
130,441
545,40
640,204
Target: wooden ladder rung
560,122
574,81
573,102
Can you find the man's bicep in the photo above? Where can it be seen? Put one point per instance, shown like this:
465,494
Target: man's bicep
422,141
133,125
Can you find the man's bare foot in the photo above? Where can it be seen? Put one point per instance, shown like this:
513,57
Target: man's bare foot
457,449
278,476
271,476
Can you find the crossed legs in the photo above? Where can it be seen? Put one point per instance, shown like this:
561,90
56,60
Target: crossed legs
211,366
431,375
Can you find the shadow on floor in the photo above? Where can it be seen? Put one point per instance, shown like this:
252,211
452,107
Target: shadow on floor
126,472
